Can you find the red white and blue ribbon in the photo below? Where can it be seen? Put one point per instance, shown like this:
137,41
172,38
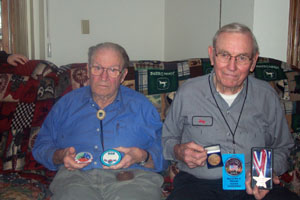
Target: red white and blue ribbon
262,161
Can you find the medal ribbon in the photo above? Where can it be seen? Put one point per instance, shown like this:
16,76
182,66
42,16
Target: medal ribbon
260,161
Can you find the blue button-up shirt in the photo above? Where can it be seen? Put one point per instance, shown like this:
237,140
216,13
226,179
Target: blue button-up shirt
130,121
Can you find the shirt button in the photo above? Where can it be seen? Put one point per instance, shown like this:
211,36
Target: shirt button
93,105
96,147
98,129
228,112
228,134
95,163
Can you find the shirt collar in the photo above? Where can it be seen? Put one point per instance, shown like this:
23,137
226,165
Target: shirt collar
117,103
214,89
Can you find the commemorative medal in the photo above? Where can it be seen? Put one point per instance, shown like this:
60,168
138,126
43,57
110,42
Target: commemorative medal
262,168
111,157
233,172
214,157
83,157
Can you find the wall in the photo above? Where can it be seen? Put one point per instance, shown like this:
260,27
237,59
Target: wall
270,27
191,24
237,11
138,25
189,27
159,29
194,25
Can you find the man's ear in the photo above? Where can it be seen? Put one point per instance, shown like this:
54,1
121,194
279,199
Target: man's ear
254,60
124,74
88,70
211,54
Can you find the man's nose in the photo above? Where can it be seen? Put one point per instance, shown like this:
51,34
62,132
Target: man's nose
232,64
104,74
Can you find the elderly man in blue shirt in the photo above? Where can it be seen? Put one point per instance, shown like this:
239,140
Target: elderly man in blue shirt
116,127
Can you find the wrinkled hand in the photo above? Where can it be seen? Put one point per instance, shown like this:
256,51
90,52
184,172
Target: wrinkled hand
14,59
131,156
69,155
258,193
191,153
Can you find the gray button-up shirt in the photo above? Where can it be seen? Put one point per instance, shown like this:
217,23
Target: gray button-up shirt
194,116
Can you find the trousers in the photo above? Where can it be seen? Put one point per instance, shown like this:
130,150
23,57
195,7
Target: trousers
187,186
102,184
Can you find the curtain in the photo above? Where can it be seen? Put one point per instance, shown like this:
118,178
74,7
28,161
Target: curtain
293,54
18,25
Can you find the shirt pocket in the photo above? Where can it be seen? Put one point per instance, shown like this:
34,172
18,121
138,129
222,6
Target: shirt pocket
201,129
131,134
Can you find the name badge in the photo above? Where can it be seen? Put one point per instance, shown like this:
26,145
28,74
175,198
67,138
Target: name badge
202,121
234,172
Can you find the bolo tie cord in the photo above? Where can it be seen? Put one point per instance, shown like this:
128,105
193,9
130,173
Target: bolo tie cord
101,116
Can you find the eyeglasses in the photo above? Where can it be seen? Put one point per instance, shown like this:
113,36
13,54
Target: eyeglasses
239,59
111,71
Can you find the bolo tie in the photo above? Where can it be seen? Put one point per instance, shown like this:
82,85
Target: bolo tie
111,156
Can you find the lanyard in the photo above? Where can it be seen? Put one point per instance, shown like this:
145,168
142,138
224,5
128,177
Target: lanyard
101,116
232,133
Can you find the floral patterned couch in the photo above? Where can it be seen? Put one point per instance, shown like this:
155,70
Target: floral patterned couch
28,92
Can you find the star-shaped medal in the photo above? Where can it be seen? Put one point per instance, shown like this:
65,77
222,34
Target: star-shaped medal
261,180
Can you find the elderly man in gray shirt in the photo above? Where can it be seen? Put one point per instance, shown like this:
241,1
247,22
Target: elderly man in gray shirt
230,108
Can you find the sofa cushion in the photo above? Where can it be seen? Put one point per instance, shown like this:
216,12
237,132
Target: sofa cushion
14,186
27,94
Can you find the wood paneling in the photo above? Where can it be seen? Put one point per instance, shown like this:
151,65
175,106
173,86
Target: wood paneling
293,54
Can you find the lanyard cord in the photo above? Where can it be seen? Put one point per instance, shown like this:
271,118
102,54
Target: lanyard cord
232,133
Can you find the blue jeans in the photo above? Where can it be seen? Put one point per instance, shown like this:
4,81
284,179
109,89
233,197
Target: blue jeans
188,187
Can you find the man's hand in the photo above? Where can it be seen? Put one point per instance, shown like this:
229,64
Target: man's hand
258,193
131,156
191,153
14,59
67,157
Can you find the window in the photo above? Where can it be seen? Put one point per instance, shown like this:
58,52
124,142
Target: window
293,56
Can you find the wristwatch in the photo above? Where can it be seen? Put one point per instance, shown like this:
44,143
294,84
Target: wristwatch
146,160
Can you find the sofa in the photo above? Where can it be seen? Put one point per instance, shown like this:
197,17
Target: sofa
27,93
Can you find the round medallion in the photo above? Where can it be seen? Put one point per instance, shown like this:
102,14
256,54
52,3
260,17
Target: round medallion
111,157
84,157
214,159
233,166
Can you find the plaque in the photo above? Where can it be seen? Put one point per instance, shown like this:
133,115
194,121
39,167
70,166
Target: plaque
262,168
233,172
